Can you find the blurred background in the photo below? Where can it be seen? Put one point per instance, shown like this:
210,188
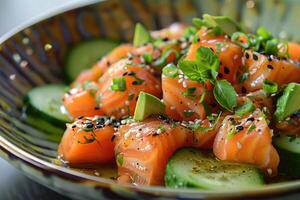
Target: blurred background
14,13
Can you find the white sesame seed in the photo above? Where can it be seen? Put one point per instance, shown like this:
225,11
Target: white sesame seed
158,131
235,57
180,80
184,84
272,132
172,107
270,171
123,121
127,103
97,174
123,111
126,135
138,135
148,147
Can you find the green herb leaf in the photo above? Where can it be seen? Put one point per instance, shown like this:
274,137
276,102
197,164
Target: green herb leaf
141,35
263,32
271,47
225,94
170,71
270,87
204,68
119,84
245,109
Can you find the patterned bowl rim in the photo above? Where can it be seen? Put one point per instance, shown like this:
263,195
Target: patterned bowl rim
275,189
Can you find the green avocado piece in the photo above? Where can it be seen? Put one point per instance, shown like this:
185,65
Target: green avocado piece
228,25
147,105
289,102
141,35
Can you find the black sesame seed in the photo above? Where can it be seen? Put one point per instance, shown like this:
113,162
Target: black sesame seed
74,126
251,119
97,108
113,137
243,90
80,117
212,49
239,128
247,55
89,125
130,73
270,66
125,74
220,75
255,57
165,39
108,63
269,58
226,70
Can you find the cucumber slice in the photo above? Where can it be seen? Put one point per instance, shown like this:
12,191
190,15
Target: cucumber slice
45,102
85,54
288,148
195,169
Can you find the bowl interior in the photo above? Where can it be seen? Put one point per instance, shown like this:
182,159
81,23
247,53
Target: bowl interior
35,56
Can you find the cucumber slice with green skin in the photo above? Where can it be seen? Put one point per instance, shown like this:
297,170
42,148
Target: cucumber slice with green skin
45,102
191,168
84,54
288,148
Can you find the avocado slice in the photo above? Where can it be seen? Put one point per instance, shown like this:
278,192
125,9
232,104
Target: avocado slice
141,35
147,105
228,25
289,102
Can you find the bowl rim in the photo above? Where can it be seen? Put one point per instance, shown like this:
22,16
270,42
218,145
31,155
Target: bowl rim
275,189
46,15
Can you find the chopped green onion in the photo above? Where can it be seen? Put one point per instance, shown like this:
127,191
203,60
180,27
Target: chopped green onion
236,38
188,32
270,87
148,57
170,71
119,84
162,60
190,92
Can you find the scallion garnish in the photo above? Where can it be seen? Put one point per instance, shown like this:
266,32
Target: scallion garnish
119,84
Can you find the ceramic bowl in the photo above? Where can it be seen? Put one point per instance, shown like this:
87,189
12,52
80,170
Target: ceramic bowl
35,56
